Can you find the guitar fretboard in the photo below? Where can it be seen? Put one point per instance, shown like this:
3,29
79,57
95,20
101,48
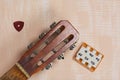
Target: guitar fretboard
14,74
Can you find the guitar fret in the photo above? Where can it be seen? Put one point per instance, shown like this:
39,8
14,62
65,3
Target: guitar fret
22,70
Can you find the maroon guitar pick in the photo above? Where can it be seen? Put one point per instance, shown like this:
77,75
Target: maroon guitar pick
18,25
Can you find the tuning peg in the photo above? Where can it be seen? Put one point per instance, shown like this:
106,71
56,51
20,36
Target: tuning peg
52,25
33,54
58,31
60,57
46,42
54,51
72,47
42,35
66,41
31,45
48,66
40,62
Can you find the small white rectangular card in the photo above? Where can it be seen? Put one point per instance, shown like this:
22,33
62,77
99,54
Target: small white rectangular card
88,57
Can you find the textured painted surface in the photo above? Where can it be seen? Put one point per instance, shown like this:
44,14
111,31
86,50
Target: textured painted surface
98,22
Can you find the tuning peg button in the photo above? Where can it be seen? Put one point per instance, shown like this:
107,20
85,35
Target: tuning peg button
48,66
72,47
42,35
31,45
60,57
52,25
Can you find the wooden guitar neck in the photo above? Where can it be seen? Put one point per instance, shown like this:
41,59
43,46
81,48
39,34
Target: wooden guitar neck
14,74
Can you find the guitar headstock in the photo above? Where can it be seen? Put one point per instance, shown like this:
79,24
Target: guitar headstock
50,46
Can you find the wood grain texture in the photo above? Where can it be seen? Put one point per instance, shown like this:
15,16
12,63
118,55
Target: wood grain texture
98,22
14,74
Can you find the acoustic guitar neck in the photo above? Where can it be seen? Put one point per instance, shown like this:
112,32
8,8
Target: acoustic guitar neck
14,74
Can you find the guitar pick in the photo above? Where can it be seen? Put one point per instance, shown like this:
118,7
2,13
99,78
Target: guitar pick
18,25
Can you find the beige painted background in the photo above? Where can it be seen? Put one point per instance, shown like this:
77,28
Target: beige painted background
98,22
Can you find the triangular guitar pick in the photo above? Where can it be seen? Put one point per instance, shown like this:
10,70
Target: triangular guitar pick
18,25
